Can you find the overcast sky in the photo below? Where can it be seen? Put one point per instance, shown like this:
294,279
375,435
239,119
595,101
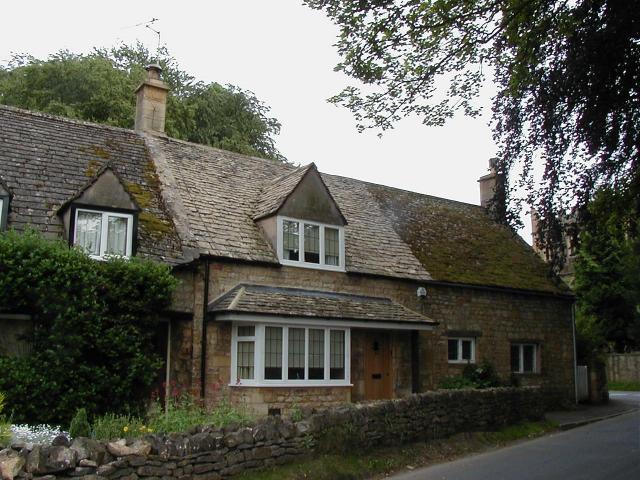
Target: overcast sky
283,52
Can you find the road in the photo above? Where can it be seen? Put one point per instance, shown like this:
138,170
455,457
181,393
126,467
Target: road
607,450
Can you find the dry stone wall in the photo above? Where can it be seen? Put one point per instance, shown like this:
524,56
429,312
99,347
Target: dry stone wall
208,453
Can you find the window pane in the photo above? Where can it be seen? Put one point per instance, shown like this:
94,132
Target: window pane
246,331
290,240
88,230
245,360
336,364
528,358
296,354
331,246
515,358
117,236
316,354
453,349
466,350
312,243
273,353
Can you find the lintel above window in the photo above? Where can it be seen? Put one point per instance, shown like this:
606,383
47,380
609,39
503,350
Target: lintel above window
102,234
303,243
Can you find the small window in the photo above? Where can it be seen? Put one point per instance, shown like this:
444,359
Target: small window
296,354
104,234
524,358
309,244
316,354
337,355
461,350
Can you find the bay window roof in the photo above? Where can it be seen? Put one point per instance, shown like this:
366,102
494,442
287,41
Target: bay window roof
302,303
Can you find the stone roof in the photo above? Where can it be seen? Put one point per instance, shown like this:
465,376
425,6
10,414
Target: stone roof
296,302
46,160
199,200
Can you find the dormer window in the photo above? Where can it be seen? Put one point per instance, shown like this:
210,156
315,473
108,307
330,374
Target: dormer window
308,244
102,234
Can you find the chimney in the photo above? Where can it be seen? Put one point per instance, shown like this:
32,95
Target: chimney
151,102
488,184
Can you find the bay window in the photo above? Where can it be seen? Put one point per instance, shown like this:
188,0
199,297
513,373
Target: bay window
310,244
289,355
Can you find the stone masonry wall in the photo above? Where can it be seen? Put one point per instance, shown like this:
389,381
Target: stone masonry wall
500,317
623,367
208,453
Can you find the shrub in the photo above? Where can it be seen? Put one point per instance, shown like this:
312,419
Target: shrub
483,375
80,424
94,329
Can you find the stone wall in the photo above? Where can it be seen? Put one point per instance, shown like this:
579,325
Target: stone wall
209,454
623,367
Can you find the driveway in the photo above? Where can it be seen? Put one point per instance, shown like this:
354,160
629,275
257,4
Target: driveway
606,450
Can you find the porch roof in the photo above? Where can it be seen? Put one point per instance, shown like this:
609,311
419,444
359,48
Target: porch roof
301,303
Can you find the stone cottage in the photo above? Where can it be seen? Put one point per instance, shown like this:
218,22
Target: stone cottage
296,287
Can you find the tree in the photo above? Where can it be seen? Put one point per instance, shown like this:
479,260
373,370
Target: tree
567,73
607,275
99,87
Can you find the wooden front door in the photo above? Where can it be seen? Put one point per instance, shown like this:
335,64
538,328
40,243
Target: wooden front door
377,367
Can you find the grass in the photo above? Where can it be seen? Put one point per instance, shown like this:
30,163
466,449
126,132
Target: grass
380,462
180,416
625,386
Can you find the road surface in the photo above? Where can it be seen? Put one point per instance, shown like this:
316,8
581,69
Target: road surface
606,450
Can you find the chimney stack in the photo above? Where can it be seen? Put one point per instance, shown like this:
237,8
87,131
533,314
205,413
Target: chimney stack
151,102
488,184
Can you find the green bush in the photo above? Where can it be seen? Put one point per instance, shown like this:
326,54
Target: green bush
80,424
5,426
483,375
93,342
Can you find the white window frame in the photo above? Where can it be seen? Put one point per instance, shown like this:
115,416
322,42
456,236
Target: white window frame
259,347
460,340
1,212
105,229
521,346
301,263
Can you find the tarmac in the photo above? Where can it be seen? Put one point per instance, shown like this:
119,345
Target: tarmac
620,403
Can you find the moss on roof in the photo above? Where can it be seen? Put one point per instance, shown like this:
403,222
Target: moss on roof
458,242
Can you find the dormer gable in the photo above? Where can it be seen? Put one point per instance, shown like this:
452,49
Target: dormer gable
102,217
105,190
300,194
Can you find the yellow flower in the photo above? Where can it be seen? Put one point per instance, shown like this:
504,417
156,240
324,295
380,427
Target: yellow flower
150,430
126,428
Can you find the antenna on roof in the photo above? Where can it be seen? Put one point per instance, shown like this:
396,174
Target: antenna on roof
157,32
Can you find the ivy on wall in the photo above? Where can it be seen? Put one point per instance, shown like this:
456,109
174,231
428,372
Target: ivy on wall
94,329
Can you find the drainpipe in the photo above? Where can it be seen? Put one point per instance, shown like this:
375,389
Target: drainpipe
203,347
575,354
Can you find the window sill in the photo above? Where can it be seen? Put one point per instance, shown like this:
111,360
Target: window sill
313,266
292,385
527,374
461,362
